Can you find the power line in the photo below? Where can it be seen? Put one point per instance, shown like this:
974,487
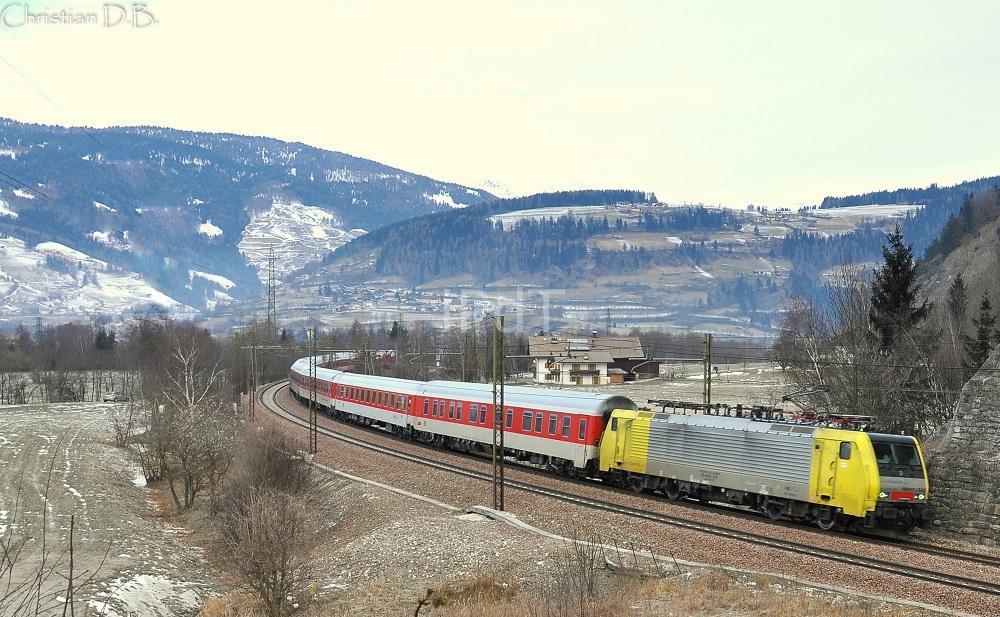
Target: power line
18,184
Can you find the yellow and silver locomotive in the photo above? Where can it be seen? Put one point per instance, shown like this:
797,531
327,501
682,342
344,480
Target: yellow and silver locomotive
847,479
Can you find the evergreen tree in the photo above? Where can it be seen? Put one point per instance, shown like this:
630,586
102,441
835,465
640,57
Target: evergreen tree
397,332
958,300
978,348
894,291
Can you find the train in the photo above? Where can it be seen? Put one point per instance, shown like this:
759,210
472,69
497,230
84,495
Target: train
845,479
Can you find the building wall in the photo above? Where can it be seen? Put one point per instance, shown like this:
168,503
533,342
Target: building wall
565,376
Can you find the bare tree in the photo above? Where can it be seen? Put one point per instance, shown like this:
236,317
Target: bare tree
838,356
264,519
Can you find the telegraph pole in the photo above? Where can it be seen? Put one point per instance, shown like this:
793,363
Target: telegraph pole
272,303
253,373
313,421
708,369
498,382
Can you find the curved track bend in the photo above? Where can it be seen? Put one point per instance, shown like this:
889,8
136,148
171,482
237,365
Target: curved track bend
268,400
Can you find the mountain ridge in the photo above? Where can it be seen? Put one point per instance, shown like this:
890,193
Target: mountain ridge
161,202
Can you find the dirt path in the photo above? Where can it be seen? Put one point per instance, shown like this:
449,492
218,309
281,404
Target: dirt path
57,462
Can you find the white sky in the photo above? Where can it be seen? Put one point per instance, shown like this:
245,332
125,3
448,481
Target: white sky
734,102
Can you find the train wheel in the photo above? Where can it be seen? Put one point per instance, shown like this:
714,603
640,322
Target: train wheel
774,510
827,524
672,490
636,484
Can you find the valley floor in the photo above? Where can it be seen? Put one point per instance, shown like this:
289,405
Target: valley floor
58,462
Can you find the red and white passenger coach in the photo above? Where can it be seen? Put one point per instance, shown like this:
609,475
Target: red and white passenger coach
548,427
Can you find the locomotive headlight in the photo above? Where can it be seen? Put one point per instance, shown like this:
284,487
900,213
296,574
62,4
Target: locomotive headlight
920,496
883,495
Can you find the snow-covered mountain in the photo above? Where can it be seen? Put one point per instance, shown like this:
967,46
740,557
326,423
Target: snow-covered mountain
298,234
52,279
189,215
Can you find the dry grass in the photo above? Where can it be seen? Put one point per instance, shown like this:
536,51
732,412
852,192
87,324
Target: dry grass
708,594
235,604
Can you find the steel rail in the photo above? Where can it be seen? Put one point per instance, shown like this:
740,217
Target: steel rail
912,572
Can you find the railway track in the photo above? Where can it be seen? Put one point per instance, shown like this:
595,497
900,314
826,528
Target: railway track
267,397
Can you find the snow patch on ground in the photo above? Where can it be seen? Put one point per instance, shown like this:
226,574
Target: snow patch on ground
23,194
147,595
218,279
702,272
210,230
6,211
299,233
509,219
871,210
443,198
106,238
104,207
11,153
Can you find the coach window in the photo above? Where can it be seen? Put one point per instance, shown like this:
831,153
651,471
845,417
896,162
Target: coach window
583,428
510,418
434,409
451,410
552,424
458,410
473,412
845,450
427,406
565,426
526,422
538,422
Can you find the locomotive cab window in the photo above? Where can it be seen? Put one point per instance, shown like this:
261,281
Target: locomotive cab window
845,450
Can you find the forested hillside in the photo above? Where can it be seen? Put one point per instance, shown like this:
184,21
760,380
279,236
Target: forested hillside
468,241
941,203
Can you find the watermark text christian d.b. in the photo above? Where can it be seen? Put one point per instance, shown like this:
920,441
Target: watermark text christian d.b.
108,15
